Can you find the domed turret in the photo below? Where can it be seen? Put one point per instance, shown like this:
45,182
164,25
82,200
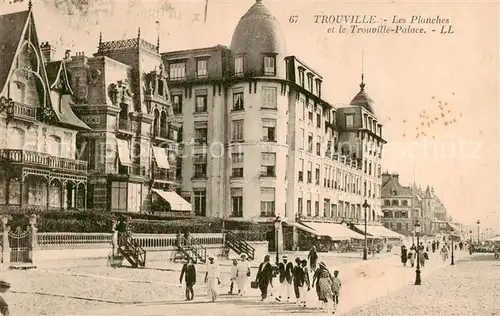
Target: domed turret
362,98
259,35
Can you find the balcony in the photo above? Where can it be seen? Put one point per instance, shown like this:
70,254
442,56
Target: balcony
18,156
126,126
134,170
164,176
22,112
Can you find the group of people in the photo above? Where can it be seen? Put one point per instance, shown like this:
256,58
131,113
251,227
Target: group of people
422,254
285,281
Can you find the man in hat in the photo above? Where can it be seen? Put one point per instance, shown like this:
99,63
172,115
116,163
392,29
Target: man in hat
264,276
298,278
189,273
243,272
285,269
212,278
313,258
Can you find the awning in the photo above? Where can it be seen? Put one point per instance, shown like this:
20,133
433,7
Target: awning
378,231
123,152
177,203
161,157
334,231
302,227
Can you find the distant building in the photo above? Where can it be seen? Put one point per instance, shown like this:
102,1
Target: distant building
260,139
403,206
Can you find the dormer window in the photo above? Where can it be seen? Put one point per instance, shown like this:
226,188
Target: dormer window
178,71
301,77
318,88
310,82
201,68
269,65
349,120
238,66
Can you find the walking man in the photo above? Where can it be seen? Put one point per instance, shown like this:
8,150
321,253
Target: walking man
313,258
298,278
189,273
264,276
285,279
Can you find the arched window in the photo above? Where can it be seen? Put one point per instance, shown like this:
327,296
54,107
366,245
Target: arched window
163,125
54,145
156,123
16,138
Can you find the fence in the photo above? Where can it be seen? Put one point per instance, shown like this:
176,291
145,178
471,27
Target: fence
48,241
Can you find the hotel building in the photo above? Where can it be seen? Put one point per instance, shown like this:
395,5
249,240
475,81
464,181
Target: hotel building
259,138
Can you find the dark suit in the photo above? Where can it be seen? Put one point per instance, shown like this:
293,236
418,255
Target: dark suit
264,276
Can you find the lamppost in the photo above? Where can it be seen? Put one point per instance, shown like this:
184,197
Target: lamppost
470,242
452,254
478,223
365,249
277,226
418,281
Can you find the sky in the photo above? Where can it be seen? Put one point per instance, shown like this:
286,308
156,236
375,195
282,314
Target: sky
437,95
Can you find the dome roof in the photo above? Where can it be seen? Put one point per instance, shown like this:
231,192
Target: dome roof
258,32
363,99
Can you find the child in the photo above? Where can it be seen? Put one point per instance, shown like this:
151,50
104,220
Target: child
233,275
336,284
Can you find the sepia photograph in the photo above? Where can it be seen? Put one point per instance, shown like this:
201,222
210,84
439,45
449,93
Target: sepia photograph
249,157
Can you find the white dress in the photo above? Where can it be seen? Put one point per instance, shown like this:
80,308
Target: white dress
212,280
243,267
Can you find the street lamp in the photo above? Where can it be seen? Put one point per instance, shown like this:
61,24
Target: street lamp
478,223
277,226
452,254
470,242
418,281
365,249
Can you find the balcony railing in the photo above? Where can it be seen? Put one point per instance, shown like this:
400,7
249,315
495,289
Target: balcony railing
164,175
22,111
43,159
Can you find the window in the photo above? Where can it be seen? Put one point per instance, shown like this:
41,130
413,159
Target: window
200,202
310,143
269,130
405,203
310,116
237,165
119,196
201,68
238,103
301,169
299,207
301,77
308,208
134,197
201,135
201,103
270,101
387,202
318,145
318,88
178,71
318,120
267,197
237,131
317,174
309,172
237,202
301,138
349,120
316,208
269,65
395,203
310,82
370,168
238,66
200,166
327,208
161,88
177,103
268,165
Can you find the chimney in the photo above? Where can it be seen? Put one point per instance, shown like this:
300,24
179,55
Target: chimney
48,51
67,54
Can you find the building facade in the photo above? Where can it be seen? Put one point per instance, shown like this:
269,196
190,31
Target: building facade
259,138
403,206
40,167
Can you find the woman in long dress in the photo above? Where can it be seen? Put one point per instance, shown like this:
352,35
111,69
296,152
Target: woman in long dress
212,279
242,275
323,281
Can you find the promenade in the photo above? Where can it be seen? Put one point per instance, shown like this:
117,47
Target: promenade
363,282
